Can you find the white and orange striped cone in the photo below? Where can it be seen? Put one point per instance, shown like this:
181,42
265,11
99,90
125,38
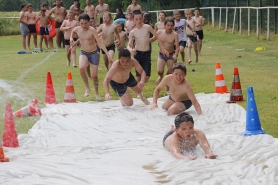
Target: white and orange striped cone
220,85
236,92
33,109
69,93
2,155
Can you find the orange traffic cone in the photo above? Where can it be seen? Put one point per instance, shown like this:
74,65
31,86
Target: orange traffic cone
2,155
50,94
236,93
33,109
220,85
69,94
10,135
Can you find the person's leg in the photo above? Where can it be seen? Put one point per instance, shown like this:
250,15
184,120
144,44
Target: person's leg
182,54
35,39
46,43
73,56
68,52
189,42
139,92
58,42
48,39
176,108
105,59
196,51
200,45
28,40
170,64
83,62
126,99
111,54
160,69
168,103
24,42
41,39
94,69
88,71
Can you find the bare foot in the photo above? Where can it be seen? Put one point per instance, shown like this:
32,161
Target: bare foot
87,92
189,61
97,97
145,100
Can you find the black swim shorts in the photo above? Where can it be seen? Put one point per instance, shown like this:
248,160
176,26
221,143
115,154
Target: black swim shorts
120,88
144,59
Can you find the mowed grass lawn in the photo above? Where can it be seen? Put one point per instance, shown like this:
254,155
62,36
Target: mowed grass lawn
257,69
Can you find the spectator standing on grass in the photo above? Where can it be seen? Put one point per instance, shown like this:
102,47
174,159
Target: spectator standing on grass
23,24
134,6
31,18
90,9
101,8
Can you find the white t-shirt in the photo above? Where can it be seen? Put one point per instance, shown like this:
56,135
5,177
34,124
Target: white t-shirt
179,28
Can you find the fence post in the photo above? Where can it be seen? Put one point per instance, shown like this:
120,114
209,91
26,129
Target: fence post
157,18
234,21
212,16
220,18
257,22
240,21
248,21
226,27
267,32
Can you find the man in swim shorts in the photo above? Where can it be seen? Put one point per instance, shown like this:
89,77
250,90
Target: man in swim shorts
120,79
181,94
88,39
31,19
23,24
183,139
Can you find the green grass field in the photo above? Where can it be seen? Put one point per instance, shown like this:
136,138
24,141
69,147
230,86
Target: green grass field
257,69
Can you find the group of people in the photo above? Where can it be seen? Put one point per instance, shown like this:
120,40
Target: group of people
95,36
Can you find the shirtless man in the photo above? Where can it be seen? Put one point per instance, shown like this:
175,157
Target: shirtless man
129,24
134,6
182,139
120,79
181,94
60,15
44,27
160,24
23,24
199,29
169,39
87,37
90,9
108,33
100,9
75,5
141,51
67,27
45,6
31,18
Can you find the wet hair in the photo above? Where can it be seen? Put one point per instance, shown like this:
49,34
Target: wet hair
22,6
163,13
44,4
183,117
43,10
180,66
197,8
136,12
169,19
85,17
124,53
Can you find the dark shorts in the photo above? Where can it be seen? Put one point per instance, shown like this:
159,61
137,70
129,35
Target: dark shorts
144,59
182,43
67,41
161,56
192,38
111,47
92,56
186,103
98,49
167,135
100,20
44,31
200,34
120,89
32,28
58,24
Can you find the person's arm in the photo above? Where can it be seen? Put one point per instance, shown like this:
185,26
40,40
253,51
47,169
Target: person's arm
140,9
193,99
175,56
37,19
205,145
175,151
157,90
72,35
108,78
95,16
155,27
141,71
51,11
193,31
154,37
21,19
63,26
100,43
203,21
161,46
130,43
128,10
117,39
